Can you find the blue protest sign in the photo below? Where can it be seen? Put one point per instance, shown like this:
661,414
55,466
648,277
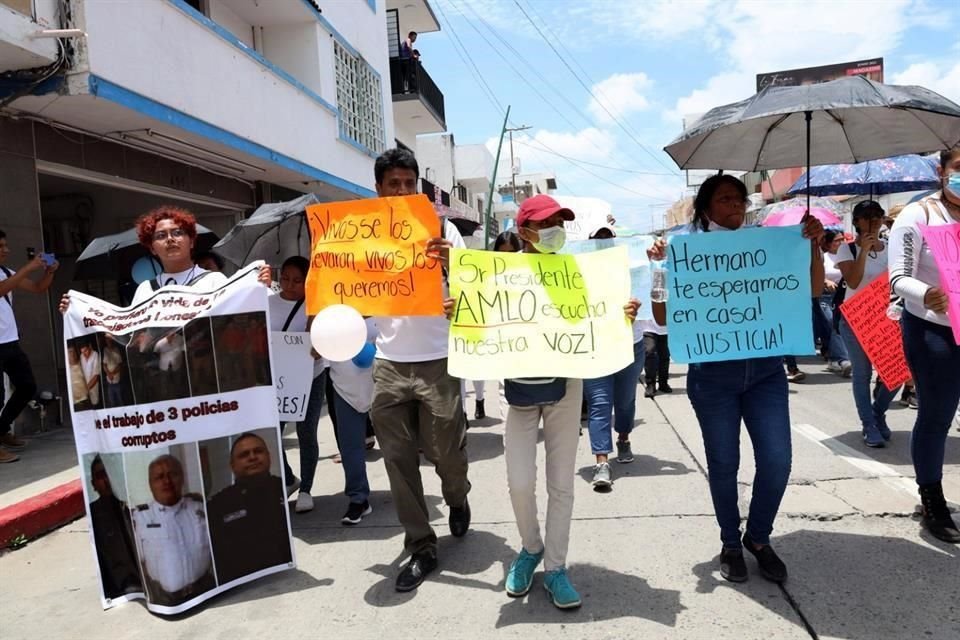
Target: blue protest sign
738,295
640,281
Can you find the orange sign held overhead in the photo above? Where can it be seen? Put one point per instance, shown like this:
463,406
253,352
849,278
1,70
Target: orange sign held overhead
372,255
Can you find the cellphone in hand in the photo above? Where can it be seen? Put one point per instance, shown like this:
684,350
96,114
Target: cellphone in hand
48,259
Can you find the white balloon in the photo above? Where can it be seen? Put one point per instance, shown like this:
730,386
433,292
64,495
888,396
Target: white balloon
338,333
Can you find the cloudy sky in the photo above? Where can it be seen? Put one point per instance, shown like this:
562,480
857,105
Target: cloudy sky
625,72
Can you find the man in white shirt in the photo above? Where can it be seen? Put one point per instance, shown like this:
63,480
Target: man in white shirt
13,361
416,403
90,363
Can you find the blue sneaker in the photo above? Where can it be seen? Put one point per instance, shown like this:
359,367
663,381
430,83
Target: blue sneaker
883,428
562,593
872,437
520,575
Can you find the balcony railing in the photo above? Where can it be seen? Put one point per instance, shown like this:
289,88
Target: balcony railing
409,78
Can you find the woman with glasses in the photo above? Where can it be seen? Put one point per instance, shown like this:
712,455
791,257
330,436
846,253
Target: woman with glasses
860,263
753,392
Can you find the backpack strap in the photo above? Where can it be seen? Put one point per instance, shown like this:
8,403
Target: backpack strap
6,296
293,312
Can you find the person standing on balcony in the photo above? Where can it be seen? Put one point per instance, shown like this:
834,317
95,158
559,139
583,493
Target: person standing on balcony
409,57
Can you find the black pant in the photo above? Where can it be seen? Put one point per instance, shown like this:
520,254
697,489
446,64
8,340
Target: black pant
656,364
14,363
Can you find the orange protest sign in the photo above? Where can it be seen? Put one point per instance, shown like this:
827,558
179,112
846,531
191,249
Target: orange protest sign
372,255
880,337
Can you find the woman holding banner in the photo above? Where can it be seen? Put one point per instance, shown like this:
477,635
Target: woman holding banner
860,263
752,391
931,349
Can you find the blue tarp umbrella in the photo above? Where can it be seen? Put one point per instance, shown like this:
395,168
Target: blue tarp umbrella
875,177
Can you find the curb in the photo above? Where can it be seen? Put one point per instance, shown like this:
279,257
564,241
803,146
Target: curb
37,515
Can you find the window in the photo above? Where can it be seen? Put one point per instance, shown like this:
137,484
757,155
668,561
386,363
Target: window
359,99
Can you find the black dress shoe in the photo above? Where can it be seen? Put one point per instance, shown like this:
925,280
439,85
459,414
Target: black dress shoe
665,388
413,573
732,566
771,566
650,391
460,519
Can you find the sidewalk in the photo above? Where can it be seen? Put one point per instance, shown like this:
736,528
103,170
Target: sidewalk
41,491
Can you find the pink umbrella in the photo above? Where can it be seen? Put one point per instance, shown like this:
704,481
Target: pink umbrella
792,216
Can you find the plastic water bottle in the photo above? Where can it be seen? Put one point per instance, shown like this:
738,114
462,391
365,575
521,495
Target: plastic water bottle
658,290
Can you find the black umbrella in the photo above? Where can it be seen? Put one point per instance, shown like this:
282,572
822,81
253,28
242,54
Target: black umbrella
273,233
840,122
107,257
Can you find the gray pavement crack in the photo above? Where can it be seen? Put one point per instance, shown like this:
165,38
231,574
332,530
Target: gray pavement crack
796,608
680,439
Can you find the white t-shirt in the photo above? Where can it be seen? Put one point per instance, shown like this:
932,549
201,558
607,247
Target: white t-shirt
913,269
91,368
279,310
649,326
876,265
213,280
417,338
112,360
830,270
8,323
353,384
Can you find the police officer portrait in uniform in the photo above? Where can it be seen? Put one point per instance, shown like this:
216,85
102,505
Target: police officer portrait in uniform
113,537
171,531
248,519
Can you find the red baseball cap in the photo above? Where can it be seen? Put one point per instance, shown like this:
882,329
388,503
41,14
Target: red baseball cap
541,207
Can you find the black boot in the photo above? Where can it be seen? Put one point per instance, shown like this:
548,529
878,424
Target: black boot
479,413
936,514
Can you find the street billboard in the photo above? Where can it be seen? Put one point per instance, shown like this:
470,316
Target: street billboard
872,69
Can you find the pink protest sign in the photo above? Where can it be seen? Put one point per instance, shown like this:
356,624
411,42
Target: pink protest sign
944,243
880,337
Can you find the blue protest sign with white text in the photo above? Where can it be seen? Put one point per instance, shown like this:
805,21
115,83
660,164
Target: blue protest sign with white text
740,294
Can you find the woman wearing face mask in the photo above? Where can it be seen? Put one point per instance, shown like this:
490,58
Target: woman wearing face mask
555,401
860,263
752,391
932,354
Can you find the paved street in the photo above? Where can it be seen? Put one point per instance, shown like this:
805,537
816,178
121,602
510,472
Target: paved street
643,556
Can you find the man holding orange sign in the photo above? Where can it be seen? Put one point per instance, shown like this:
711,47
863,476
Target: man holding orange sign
386,257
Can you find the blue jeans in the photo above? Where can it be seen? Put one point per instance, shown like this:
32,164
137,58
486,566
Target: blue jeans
307,437
871,410
755,392
115,394
352,436
823,328
934,361
611,395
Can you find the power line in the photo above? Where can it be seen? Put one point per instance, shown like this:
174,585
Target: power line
589,91
602,166
471,65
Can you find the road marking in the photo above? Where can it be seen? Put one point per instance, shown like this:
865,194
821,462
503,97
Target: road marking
887,474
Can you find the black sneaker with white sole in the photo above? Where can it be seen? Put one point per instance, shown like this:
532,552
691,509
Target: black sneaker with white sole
356,512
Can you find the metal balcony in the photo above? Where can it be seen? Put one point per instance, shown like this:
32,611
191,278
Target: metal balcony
417,99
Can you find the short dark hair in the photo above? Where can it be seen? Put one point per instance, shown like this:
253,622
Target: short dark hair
868,209
394,159
297,262
510,238
946,156
412,33
213,256
3,234
701,203
96,461
243,436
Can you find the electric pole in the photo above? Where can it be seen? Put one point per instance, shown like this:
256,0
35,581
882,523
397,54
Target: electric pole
513,166
493,183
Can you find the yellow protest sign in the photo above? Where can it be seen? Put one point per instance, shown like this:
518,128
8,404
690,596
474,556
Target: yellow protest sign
372,255
521,315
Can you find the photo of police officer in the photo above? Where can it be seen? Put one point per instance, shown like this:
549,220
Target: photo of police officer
241,350
247,511
111,525
170,523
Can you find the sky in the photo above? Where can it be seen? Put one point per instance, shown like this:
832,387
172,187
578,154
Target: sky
605,84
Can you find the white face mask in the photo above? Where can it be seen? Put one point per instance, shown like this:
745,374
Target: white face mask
551,240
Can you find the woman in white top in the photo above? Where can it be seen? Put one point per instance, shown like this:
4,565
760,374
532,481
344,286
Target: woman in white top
931,350
860,263
288,313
